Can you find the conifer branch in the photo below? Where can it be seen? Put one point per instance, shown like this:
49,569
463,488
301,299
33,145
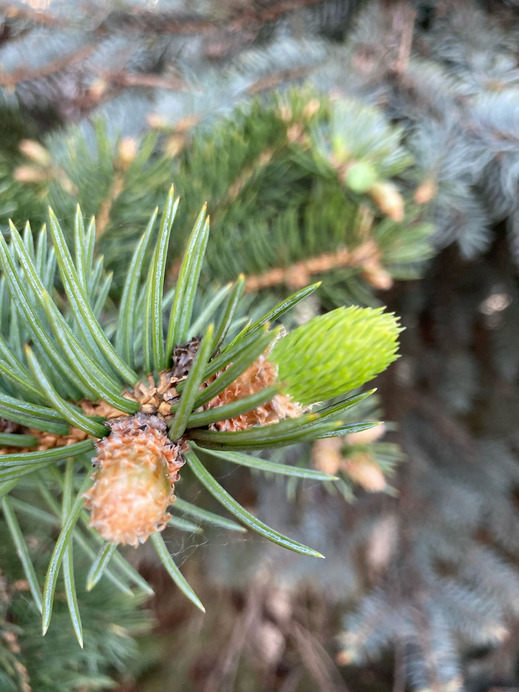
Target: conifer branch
366,257
143,435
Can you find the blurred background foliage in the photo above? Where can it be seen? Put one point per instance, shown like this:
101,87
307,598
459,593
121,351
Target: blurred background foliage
371,145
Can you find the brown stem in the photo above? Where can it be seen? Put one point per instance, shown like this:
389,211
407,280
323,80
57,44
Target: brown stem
24,74
316,659
151,80
272,80
299,274
243,17
223,674
404,19
103,215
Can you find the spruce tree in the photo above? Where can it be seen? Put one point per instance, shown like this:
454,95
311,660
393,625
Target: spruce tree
358,144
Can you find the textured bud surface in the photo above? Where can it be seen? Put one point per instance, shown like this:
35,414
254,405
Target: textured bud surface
261,374
138,466
334,353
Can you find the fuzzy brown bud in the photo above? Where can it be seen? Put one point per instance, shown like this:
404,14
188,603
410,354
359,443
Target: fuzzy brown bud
133,487
326,455
426,192
366,437
388,199
126,153
364,470
31,174
35,152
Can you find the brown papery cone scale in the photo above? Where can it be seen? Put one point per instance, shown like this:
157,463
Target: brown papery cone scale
261,374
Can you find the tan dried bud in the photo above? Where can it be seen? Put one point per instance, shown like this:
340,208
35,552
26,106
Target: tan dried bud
366,437
388,199
381,544
269,643
35,152
364,470
265,157
377,276
31,174
126,153
157,122
66,183
426,192
311,108
285,113
174,145
294,133
98,89
133,487
187,123
326,455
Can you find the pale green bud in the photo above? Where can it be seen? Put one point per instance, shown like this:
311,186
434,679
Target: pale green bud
335,353
360,176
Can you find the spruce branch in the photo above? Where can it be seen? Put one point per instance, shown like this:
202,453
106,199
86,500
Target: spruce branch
147,400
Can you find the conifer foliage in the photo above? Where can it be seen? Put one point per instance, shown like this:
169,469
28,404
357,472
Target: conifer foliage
74,385
361,144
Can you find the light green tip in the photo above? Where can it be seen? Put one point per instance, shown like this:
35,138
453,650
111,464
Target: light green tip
335,353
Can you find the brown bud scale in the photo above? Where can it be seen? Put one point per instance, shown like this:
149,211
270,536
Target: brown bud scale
261,374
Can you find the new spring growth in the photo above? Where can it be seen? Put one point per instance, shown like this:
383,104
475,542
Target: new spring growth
324,358
335,353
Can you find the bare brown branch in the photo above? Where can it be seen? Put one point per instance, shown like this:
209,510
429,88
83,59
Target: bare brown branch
299,274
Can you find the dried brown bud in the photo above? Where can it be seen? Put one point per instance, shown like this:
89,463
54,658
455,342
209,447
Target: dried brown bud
98,89
174,145
311,108
376,275
286,114
388,199
364,470
187,123
366,437
31,174
426,192
261,374
127,152
35,152
326,455
157,122
294,133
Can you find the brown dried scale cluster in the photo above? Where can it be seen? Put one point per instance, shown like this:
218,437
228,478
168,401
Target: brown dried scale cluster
156,398
262,373
358,463
153,399
137,469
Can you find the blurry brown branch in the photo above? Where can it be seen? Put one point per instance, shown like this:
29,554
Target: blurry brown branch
125,79
273,80
404,19
24,74
223,674
317,661
28,13
366,256
237,17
